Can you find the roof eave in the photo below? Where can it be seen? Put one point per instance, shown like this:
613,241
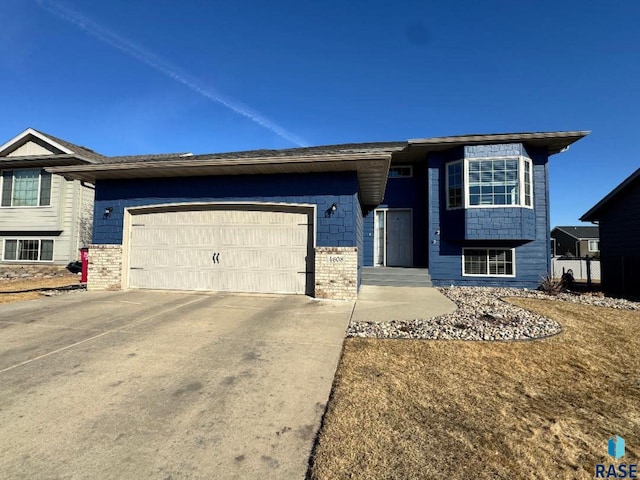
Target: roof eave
554,142
372,169
593,214
44,161
30,131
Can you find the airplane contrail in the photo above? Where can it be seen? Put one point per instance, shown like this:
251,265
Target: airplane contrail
154,61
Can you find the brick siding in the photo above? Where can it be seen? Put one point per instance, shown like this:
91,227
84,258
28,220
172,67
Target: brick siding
105,267
336,273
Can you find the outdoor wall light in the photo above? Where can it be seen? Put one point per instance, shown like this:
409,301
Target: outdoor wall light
331,210
107,212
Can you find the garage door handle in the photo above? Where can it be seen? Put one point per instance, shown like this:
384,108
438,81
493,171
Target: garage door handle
216,258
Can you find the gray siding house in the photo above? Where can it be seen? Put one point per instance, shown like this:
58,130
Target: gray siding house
578,241
44,218
618,217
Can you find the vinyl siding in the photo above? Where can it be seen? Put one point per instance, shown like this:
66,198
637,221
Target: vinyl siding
37,218
620,242
342,229
71,205
33,147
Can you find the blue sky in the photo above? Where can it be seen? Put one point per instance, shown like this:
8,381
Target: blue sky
147,76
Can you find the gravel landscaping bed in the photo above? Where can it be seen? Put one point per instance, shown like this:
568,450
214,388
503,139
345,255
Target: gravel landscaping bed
483,315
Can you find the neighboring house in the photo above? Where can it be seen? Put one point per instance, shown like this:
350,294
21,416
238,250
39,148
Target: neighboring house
618,217
575,241
473,209
44,219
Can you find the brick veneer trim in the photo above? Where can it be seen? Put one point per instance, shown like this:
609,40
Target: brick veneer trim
336,273
105,267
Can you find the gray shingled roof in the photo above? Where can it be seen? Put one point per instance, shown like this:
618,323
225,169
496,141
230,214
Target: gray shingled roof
580,232
83,152
376,147
144,158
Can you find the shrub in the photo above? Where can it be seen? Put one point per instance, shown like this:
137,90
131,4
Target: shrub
551,285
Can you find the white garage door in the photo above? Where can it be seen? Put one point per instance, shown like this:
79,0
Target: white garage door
235,250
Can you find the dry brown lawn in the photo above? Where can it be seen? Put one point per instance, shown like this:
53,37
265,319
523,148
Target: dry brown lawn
31,283
544,409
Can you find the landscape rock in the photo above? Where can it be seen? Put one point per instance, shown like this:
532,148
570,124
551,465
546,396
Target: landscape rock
482,314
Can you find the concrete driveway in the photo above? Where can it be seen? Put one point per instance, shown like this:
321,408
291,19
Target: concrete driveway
165,385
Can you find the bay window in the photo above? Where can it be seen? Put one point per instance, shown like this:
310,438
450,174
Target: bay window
482,182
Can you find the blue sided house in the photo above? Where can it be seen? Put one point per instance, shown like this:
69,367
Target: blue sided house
461,210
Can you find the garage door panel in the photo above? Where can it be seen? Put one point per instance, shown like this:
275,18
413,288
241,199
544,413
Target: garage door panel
251,259
150,235
196,236
261,281
153,257
193,258
259,237
226,250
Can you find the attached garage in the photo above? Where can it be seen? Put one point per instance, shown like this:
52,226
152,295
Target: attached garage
264,248
266,221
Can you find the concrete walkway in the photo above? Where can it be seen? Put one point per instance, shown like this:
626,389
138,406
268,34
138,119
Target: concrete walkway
383,304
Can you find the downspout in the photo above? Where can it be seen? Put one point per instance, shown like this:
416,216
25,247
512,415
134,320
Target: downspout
74,221
78,218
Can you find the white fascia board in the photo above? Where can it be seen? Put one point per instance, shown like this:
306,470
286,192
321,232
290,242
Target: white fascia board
31,131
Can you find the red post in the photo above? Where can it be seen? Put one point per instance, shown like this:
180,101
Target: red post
84,258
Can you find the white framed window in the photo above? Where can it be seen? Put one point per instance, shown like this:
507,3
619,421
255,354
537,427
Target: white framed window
489,182
28,250
527,181
488,262
594,245
26,187
401,171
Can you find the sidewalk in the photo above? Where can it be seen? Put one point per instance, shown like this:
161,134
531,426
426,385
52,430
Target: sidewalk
383,304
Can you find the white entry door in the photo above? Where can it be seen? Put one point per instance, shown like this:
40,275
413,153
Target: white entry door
394,246
235,250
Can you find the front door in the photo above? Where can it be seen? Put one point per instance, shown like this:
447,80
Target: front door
394,238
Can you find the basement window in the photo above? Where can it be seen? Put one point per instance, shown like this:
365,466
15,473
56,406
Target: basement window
488,262
28,250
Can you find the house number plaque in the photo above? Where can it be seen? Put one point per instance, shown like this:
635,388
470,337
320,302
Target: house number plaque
336,258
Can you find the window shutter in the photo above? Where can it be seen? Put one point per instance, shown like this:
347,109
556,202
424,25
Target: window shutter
46,250
7,181
10,249
45,188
